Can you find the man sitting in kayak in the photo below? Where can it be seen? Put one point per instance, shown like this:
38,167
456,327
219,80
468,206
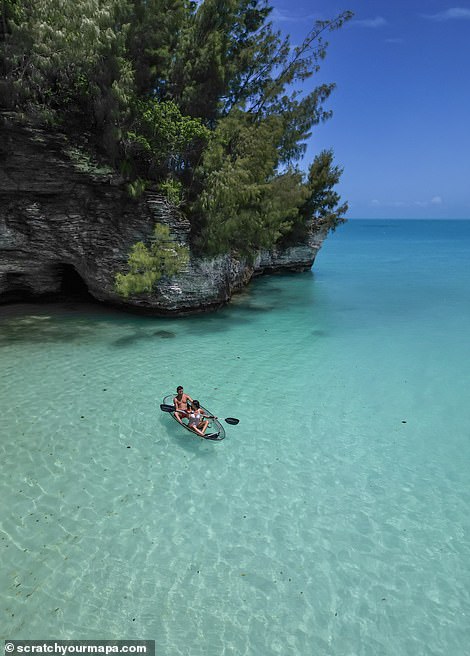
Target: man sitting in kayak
198,419
182,403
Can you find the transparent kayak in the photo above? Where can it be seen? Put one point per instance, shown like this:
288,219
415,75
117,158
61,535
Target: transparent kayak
215,430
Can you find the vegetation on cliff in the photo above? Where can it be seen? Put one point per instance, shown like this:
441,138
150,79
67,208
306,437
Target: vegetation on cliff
203,100
146,265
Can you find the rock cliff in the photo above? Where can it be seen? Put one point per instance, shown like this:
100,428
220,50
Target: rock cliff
65,225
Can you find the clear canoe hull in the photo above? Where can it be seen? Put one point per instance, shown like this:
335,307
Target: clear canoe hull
215,430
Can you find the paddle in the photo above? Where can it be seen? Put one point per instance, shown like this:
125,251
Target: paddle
171,408
232,420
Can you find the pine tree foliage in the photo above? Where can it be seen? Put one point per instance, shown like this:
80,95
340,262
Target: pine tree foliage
203,100
243,206
162,138
68,61
323,206
154,34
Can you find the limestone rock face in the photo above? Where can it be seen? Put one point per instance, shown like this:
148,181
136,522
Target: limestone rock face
64,224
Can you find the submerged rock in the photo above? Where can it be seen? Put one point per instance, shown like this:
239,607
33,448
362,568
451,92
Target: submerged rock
66,229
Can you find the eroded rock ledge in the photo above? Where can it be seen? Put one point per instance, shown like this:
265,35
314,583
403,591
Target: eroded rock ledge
59,223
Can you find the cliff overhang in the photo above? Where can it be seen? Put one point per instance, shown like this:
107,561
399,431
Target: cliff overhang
65,228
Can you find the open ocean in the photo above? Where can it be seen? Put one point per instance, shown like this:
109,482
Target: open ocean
334,519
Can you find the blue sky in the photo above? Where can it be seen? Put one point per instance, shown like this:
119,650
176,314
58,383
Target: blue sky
401,119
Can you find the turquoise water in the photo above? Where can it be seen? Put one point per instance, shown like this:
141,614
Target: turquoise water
333,520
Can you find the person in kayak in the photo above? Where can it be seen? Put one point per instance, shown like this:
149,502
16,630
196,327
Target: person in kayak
198,420
182,403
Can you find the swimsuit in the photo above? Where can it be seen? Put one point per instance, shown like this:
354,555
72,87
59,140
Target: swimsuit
194,419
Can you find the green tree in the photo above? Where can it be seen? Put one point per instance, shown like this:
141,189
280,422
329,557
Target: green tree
322,207
243,205
201,99
155,28
162,139
68,58
10,14
148,264
10,10
248,79
216,48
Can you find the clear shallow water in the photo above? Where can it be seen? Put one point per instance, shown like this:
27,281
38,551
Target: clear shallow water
345,533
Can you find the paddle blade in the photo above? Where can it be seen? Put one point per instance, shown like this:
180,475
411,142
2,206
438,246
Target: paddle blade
212,436
232,420
167,408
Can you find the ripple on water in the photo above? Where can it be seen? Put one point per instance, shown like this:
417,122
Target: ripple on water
321,523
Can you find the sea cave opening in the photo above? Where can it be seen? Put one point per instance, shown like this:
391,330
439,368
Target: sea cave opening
17,288
58,282
72,285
